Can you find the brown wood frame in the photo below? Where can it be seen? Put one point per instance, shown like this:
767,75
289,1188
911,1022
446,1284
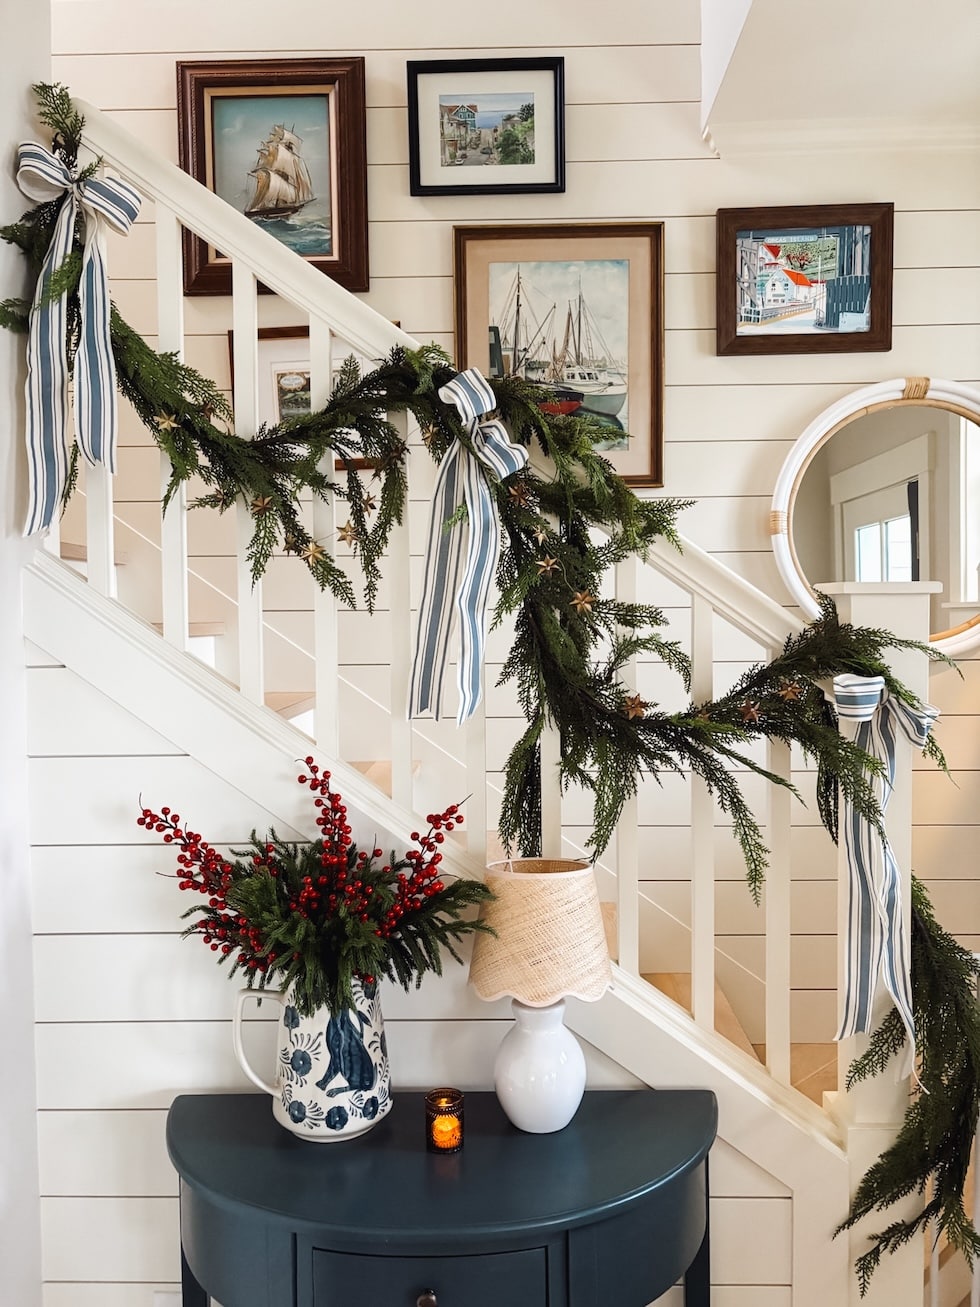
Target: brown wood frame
205,272
878,217
611,240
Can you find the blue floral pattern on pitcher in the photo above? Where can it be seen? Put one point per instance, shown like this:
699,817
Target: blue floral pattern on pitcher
333,1072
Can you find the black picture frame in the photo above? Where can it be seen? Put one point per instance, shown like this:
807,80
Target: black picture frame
846,308
336,89
447,144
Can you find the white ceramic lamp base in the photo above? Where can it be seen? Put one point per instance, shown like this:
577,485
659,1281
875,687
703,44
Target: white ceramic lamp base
539,1074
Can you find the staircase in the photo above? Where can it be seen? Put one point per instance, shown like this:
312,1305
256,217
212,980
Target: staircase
735,1004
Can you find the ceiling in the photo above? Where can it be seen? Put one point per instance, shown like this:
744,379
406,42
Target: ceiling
888,69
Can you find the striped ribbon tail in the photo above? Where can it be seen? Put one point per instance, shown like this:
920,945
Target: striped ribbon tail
462,560
43,176
877,943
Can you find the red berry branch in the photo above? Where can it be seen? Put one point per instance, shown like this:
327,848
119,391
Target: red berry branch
317,916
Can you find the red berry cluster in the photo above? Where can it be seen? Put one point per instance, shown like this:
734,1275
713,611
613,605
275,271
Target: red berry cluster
204,869
423,881
334,886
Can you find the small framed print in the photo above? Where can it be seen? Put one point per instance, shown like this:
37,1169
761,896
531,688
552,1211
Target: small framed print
486,126
578,310
805,279
283,141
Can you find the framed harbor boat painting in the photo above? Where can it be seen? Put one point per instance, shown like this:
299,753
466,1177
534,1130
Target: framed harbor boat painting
283,142
578,310
486,126
804,279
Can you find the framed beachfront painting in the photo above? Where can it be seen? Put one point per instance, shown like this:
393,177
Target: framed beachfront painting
807,279
578,310
486,126
283,142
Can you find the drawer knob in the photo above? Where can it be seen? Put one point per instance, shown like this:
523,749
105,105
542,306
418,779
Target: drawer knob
427,1299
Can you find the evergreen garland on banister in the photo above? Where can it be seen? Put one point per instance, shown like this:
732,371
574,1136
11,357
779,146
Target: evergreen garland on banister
572,645
934,1143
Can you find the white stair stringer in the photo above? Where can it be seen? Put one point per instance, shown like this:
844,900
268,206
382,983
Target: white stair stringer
254,750
194,708
777,1127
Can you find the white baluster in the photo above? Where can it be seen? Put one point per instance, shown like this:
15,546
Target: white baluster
550,793
399,573
778,937
245,323
100,531
323,529
627,830
702,831
170,334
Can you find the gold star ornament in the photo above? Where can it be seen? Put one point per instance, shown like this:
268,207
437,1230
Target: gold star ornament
312,553
634,706
166,422
429,436
369,503
582,601
790,691
750,712
519,493
347,533
261,505
546,565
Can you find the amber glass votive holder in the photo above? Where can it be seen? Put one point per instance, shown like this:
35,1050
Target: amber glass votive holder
444,1120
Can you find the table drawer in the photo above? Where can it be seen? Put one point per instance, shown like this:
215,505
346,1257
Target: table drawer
518,1279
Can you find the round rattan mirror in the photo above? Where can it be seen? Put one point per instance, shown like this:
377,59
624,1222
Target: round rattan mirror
885,484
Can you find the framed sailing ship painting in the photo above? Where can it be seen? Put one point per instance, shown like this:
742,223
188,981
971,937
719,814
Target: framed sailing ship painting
283,142
576,309
486,126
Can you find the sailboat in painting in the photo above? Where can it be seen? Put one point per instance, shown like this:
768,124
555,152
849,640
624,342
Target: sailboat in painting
282,179
578,368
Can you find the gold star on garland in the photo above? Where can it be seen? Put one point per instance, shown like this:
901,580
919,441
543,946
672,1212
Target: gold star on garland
347,533
369,503
166,422
790,691
546,565
541,535
750,712
261,505
291,545
429,436
312,553
582,601
519,493
634,706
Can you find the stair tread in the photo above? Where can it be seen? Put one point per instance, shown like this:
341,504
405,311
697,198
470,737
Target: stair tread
677,985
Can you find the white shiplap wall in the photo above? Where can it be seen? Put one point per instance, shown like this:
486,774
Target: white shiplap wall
634,152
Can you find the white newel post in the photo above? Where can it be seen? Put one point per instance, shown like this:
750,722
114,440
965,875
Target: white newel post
872,1112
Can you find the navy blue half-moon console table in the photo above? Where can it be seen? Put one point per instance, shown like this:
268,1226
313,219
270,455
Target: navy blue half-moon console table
609,1212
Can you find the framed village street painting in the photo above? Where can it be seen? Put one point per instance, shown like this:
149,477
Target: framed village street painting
809,279
578,310
486,126
283,142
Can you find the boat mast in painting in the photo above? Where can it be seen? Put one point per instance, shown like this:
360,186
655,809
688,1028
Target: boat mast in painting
282,179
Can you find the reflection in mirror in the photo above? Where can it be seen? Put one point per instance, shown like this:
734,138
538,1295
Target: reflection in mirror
885,486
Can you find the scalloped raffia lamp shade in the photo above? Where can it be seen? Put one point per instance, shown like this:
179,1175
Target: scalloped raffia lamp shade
549,945
550,942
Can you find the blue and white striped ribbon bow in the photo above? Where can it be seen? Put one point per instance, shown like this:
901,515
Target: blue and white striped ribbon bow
462,477
42,176
877,943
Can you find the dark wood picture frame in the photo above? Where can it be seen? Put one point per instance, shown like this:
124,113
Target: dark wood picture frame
201,84
576,262
759,282
443,144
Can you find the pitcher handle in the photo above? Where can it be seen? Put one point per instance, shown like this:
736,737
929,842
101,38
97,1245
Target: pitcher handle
236,1034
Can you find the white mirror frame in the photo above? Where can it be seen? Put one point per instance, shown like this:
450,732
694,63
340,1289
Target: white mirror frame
950,395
